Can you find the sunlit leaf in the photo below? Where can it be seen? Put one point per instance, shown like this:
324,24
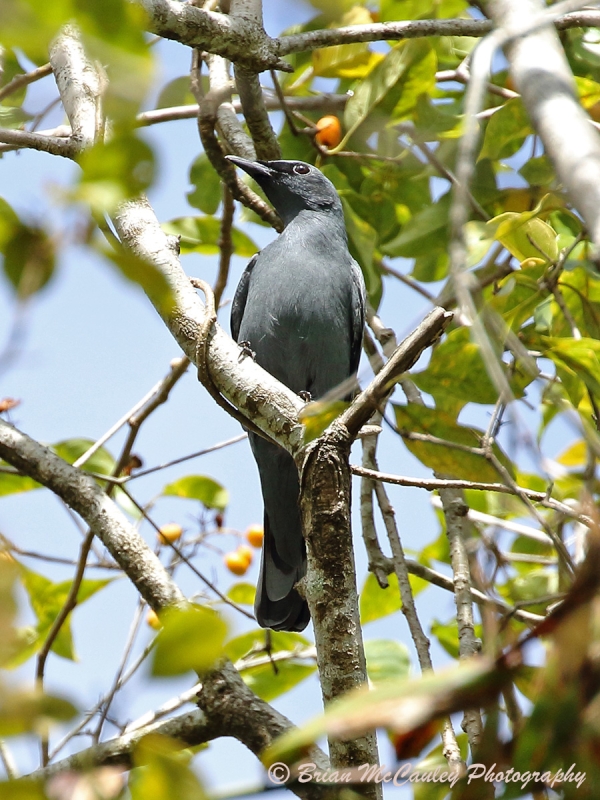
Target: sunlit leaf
345,60
388,88
506,130
242,593
47,600
163,771
376,602
199,487
115,170
318,415
445,459
191,639
386,659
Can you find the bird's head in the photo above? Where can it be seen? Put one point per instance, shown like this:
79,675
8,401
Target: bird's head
292,186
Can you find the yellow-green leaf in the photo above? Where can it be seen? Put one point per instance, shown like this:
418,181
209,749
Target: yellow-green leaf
199,487
191,638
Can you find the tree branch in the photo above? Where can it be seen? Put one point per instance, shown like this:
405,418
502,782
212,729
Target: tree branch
81,84
406,354
544,79
390,31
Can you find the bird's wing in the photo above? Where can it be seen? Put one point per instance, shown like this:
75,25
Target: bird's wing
239,299
358,316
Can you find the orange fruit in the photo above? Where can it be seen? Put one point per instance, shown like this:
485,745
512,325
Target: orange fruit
255,535
246,553
170,532
152,620
235,562
329,131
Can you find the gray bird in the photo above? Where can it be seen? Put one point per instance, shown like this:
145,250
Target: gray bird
300,305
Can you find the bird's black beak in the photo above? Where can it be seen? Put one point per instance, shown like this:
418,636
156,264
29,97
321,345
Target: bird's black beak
255,169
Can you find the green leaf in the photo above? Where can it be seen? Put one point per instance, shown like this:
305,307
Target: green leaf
392,87
29,257
344,61
393,10
457,369
163,771
206,194
318,415
427,230
10,70
580,356
22,790
116,170
13,484
376,602
506,130
531,585
191,638
199,487
447,460
525,236
386,659
70,450
145,274
29,711
262,679
447,635
538,171
399,705
47,600
242,593
176,93
201,235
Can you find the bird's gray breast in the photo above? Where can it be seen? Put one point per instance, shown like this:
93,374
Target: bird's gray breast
296,316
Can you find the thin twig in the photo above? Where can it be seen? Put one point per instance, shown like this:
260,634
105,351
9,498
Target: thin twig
186,561
68,606
20,81
225,244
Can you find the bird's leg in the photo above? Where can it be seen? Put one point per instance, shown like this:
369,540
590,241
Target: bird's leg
246,351
306,396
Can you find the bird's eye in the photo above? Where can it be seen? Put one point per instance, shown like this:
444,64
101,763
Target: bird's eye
301,169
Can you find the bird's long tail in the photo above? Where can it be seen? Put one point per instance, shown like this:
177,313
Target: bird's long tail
278,605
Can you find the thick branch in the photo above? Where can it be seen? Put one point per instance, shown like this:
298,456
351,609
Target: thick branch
80,83
300,42
81,493
255,114
545,82
190,729
330,584
260,397
216,33
406,354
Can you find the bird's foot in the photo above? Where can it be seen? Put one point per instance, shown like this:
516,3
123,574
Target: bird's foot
306,396
246,351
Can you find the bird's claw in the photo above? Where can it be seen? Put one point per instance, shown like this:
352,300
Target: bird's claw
246,351
306,396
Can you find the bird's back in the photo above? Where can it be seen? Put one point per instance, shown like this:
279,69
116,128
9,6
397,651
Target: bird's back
297,313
